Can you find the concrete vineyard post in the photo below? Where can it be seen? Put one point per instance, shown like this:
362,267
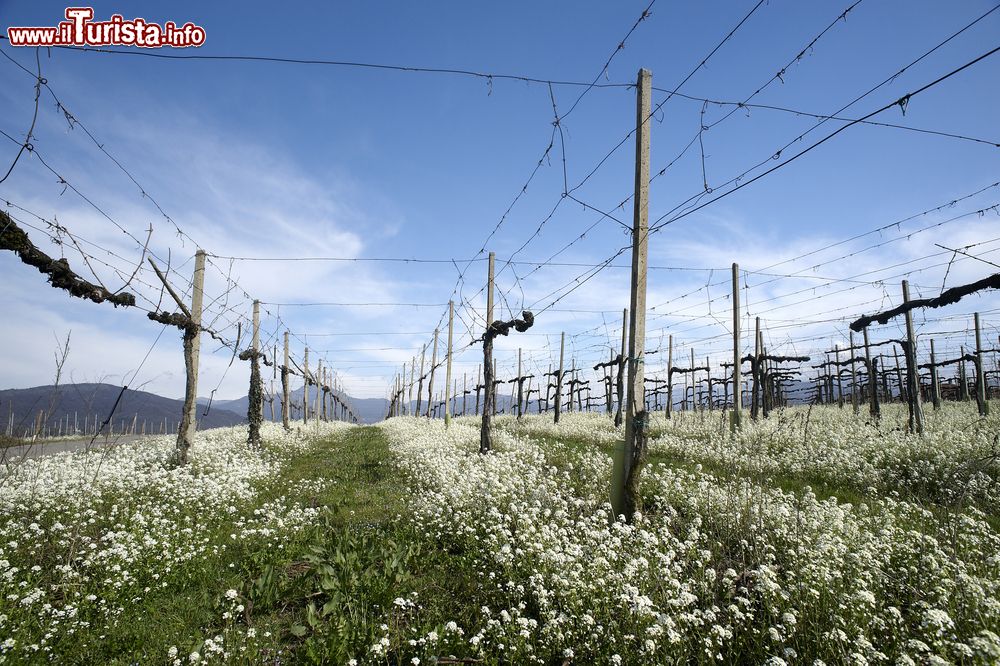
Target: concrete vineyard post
694,389
420,380
840,385
493,401
520,386
479,385
737,413
935,384
402,393
305,387
447,381
621,371
413,373
192,350
284,389
574,387
430,378
855,404
630,454
765,402
984,407
708,384
963,381
899,374
670,375
559,375
874,408
755,373
913,389
489,369
319,389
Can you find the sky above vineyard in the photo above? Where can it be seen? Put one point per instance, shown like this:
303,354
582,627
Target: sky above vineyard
272,160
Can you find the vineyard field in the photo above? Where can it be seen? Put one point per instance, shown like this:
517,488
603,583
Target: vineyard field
815,536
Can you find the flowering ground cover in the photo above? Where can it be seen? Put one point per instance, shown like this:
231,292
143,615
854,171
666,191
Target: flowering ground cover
120,555
722,567
813,537
300,552
955,463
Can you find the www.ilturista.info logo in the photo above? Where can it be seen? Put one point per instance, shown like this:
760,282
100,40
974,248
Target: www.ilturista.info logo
81,30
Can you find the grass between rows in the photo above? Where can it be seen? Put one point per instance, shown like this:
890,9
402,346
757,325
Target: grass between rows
327,595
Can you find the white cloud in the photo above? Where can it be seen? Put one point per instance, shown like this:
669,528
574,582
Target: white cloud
234,197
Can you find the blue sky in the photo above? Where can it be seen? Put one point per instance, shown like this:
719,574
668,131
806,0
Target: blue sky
271,160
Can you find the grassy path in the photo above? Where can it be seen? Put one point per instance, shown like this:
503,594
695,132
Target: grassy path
367,576
346,477
361,575
322,595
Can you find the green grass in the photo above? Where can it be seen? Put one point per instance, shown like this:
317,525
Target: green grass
326,595
363,557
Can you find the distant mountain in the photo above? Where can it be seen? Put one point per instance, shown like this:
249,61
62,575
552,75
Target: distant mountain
238,406
369,410
75,407
82,404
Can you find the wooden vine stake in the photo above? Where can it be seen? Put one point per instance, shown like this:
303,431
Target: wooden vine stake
479,386
413,372
855,405
984,406
493,406
935,384
559,376
670,376
285,401
874,409
325,391
755,372
694,390
630,454
520,386
318,381
737,416
447,382
255,403
963,380
912,388
838,376
192,351
496,328
485,439
430,379
621,371
305,387
420,381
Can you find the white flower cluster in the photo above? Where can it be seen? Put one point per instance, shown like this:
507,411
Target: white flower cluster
84,537
955,461
715,570
591,427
